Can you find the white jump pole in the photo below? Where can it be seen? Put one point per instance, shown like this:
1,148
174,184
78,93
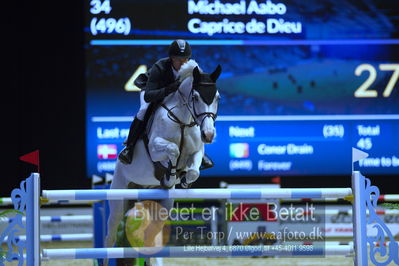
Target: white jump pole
54,238
191,251
57,219
158,194
348,212
382,198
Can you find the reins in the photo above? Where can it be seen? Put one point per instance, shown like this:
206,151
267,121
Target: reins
205,114
182,125
194,115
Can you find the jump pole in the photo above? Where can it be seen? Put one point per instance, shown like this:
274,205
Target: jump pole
159,194
27,198
190,251
57,219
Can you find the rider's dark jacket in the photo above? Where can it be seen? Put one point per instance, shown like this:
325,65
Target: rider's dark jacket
159,76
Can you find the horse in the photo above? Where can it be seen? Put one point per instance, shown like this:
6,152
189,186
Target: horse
180,127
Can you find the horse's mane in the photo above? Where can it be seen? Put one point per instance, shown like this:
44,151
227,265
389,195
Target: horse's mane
186,69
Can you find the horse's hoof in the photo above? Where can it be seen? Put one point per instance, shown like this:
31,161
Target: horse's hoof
184,184
164,185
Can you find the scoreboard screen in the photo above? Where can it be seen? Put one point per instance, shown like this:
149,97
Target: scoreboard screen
302,83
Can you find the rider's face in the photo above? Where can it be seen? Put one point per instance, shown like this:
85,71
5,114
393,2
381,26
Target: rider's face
177,62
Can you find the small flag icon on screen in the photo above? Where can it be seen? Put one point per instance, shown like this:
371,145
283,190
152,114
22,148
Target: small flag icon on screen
107,151
239,150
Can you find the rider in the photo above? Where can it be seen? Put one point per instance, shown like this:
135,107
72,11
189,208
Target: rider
159,81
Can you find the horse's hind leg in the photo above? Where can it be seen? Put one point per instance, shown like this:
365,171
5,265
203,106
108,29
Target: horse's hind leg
116,212
116,208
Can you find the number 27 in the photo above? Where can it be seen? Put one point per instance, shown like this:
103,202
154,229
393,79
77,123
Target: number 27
362,91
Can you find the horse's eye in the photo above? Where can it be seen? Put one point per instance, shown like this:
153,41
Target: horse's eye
195,97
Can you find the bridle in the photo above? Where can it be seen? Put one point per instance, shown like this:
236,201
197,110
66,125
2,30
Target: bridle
193,113
205,114
191,109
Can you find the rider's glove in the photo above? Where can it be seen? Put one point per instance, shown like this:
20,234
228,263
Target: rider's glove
172,87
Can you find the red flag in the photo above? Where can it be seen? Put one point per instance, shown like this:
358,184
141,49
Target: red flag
276,180
32,158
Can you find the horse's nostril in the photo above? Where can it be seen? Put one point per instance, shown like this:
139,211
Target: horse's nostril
207,137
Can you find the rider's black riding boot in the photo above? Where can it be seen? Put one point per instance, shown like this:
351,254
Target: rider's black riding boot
206,162
136,129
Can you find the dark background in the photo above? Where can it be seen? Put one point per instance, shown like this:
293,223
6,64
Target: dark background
49,108
45,107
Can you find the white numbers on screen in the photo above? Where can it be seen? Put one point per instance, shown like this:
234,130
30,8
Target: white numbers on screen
364,144
364,92
97,7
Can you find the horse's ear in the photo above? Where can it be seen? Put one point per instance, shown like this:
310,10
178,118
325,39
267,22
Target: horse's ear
215,75
196,74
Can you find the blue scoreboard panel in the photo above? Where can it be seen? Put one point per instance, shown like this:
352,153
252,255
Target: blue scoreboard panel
302,82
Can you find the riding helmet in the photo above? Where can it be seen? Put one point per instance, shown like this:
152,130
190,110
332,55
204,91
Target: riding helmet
180,48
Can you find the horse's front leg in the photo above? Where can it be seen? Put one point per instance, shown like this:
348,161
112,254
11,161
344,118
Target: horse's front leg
193,172
164,150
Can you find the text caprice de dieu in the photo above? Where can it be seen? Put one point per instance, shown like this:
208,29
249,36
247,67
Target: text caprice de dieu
275,24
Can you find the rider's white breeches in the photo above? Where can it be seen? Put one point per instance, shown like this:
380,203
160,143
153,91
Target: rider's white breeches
143,107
